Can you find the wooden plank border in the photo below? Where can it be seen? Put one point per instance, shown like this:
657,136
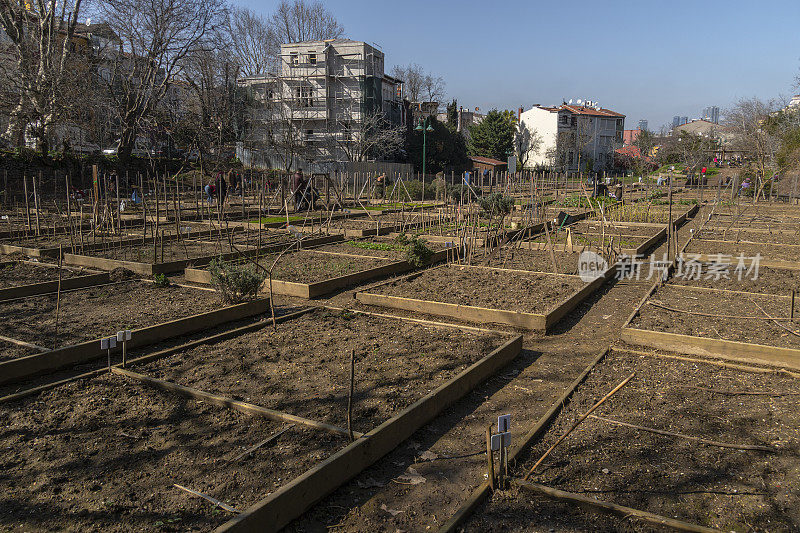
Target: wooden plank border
720,348
535,433
324,287
533,321
33,289
293,499
25,367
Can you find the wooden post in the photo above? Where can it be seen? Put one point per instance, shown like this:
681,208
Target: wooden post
791,312
350,396
489,456
36,201
27,205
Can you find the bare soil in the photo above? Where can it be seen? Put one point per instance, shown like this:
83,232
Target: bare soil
594,227
735,249
306,266
173,251
23,273
742,235
769,281
745,329
90,313
374,247
728,489
534,260
303,367
103,454
494,289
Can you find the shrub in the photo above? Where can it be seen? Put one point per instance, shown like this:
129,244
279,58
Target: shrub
417,253
497,204
161,280
234,283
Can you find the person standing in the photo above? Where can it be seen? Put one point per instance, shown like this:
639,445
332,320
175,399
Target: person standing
299,184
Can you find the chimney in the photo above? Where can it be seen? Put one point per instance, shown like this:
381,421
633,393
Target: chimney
519,114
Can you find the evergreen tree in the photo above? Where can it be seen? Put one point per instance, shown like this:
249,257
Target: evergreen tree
452,113
493,136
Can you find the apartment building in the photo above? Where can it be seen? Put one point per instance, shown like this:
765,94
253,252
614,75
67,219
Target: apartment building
574,137
321,102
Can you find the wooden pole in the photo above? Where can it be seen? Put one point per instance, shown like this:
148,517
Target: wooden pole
350,395
489,456
791,313
27,205
36,202
58,291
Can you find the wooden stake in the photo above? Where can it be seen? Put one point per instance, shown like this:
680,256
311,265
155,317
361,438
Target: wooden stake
350,396
489,456
27,205
791,311
58,292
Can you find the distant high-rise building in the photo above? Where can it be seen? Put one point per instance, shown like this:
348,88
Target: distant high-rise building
711,114
684,120
676,121
643,125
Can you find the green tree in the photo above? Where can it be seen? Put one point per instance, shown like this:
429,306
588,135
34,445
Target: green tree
446,148
452,113
494,135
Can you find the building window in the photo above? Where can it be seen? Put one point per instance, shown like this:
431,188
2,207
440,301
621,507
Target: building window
312,58
294,58
309,133
304,96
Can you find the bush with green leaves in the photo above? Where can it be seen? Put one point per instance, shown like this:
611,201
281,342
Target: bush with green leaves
418,253
161,280
497,205
235,283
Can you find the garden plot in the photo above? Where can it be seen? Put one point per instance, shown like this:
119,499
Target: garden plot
310,274
162,256
15,273
771,254
730,324
512,257
303,367
392,249
65,466
568,240
674,475
483,294
90,313
740,234
631,229
780,281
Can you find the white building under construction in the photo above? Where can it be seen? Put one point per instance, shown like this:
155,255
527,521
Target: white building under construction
312,113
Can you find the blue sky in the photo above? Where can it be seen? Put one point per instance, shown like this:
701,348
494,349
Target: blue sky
647,59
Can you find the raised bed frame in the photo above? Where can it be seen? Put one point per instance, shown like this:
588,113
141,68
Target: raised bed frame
639,250
23,368
299,495
532,321
150,269
694,345
321,288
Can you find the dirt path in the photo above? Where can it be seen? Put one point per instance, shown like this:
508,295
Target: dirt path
378,501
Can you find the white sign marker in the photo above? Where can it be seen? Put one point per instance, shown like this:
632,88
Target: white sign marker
504,438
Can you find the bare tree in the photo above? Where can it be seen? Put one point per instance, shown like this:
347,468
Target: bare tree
40,33
748,120
298,21
253,42
156,38
418,85
526,141
372,137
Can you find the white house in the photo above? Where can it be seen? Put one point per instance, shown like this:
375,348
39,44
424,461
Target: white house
573,136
